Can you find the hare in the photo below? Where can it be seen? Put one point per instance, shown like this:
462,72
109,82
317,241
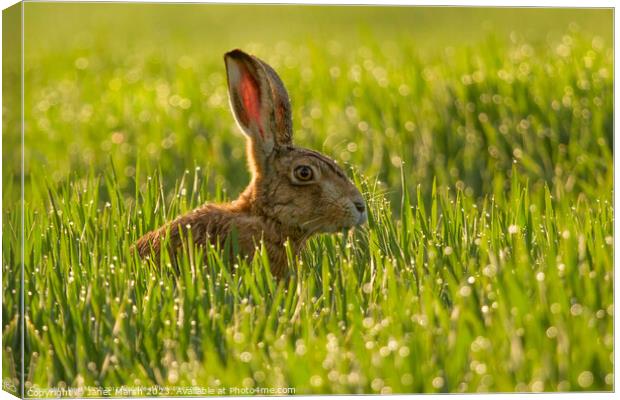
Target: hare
294,192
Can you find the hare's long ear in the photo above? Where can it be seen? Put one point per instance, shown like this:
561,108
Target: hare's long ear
260,104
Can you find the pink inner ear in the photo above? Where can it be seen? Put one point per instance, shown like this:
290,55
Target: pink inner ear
251,99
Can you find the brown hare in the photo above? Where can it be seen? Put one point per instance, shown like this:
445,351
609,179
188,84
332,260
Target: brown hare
294,192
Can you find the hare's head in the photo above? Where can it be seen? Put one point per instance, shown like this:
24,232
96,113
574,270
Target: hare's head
302,189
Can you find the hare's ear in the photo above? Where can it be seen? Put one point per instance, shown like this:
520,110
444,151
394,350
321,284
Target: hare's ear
260,103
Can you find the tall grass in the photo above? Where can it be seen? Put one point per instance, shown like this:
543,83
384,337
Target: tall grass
486,263
498,295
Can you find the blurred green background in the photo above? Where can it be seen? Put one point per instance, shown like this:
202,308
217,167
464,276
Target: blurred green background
455,93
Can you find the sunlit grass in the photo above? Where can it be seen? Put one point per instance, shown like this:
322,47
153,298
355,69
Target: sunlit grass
486,263
500,295
457,115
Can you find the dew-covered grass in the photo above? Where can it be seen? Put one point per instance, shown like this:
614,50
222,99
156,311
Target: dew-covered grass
486,263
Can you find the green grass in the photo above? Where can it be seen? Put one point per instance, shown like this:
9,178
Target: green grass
506,294
486,161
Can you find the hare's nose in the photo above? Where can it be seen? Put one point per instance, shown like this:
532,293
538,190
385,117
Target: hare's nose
360,206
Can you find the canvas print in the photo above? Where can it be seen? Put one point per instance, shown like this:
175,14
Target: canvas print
228,200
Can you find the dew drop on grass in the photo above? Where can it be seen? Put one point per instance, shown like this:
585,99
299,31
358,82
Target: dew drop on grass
585,379
552,332
245,357
465,291
437,382
406,379
576,309
316,381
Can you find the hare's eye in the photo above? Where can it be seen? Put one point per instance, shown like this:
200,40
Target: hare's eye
303,173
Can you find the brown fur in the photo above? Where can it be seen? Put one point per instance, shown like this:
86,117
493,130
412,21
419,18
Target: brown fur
276,206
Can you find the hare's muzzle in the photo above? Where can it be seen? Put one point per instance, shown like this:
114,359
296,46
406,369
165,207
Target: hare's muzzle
360,208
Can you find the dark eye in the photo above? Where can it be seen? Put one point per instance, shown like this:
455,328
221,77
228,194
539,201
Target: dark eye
303,173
